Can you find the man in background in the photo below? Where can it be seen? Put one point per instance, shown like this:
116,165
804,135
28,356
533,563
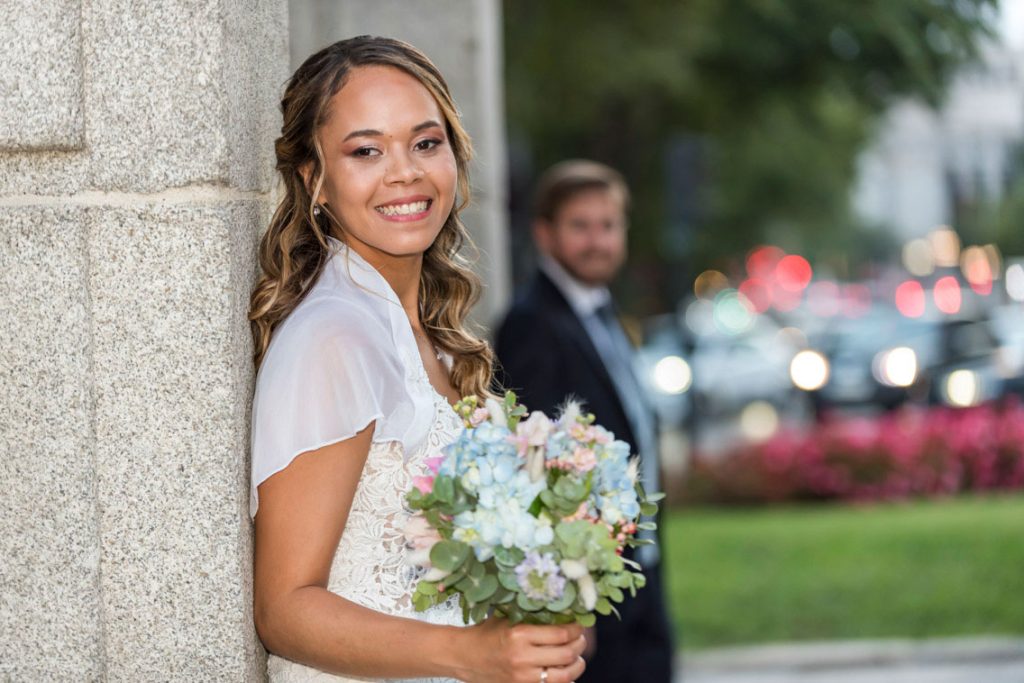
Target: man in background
562,338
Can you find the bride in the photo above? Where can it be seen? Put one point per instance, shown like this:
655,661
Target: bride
358,322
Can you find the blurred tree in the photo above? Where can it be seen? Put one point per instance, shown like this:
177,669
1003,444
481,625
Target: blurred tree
763,104
998,221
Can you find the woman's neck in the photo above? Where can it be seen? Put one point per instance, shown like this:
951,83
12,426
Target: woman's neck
401,272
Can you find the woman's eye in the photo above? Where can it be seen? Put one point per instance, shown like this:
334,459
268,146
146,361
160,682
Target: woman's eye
428,144
366,152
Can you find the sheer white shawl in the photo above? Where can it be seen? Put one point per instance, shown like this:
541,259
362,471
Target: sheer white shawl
346,356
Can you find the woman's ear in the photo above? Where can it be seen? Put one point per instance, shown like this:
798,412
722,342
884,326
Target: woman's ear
306,171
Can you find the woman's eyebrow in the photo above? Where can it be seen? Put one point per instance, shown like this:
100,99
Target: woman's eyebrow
370,133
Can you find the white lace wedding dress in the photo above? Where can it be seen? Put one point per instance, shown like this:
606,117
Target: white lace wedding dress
345,357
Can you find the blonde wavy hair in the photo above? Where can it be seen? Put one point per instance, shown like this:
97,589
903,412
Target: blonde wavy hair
294,249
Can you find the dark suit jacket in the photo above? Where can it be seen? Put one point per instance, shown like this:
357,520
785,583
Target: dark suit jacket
545,355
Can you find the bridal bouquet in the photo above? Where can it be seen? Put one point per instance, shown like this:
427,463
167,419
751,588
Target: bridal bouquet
528,517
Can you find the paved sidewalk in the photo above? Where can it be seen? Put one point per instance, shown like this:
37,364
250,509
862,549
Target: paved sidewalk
952,660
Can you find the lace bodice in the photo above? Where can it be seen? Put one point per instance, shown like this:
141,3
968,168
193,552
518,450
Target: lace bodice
370,565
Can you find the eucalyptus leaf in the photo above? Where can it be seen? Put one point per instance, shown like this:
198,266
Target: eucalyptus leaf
568,596
526,604
448,555
586,620
482,588
508,580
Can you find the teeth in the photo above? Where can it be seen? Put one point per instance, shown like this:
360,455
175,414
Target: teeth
403,209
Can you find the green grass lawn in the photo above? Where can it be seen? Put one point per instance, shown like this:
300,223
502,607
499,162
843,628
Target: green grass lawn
939,568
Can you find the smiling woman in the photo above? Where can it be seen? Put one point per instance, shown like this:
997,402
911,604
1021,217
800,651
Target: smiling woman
360,345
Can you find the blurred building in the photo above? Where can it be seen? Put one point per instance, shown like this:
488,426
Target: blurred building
925,162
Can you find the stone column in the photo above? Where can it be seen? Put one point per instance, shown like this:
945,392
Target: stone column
463,38
135,176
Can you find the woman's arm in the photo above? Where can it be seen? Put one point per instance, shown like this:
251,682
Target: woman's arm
302,513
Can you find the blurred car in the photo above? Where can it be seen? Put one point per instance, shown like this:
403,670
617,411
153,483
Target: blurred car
732,371
886,359
1008,327
664,369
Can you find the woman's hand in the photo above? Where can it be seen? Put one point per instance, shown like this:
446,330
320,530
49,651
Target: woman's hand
494,651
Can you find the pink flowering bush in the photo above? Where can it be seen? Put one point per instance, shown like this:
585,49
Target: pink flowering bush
910,453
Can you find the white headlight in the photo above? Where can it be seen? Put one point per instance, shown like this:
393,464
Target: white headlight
672,375
963,388
896,367
809,370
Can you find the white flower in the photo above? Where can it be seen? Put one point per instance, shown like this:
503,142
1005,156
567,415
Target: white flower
570,414
496,411
633,469
574,569
587,591
535,463
435,574
536,429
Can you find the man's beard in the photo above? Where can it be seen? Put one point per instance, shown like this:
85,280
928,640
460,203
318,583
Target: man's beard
590,281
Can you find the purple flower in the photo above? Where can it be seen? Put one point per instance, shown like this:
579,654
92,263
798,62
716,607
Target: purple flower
540,578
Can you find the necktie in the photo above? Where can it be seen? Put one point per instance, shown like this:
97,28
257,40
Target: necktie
617,354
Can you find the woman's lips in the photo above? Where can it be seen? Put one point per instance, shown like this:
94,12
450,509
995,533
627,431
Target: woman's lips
412,210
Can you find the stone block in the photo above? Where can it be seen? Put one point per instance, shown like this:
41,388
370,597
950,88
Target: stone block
41,77
198,105
50,622
173,379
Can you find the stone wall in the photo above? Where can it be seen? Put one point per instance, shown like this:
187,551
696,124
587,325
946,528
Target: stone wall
135,175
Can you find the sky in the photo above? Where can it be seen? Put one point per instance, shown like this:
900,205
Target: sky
1013,22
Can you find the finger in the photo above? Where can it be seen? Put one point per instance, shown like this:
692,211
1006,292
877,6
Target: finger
579,646
566,674
551,656
549,635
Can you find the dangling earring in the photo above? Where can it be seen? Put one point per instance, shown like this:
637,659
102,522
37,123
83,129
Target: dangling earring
316,210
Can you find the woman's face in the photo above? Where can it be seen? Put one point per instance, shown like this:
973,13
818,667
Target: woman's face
390,171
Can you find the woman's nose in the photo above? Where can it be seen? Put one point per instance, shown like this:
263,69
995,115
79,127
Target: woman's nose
402,168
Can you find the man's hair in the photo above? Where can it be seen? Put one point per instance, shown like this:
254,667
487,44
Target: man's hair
566,179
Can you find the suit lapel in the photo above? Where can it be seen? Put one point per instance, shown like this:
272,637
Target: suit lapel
566,318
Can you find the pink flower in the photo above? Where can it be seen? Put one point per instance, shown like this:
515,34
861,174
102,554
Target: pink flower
534,431
479,416
420,537
424,484
434,464
584,460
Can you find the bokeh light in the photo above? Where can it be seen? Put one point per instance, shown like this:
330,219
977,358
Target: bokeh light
793,273
700,317
896,367
963,388
947,295
757,292
1015,282
672,375
709,283
733,314
977,269
809,370
759,421
945,246
918,258
762,261
910,300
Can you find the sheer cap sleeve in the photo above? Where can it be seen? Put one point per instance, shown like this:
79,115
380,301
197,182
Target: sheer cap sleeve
345,357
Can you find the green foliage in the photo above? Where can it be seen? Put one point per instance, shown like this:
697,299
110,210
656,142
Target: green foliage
779,96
